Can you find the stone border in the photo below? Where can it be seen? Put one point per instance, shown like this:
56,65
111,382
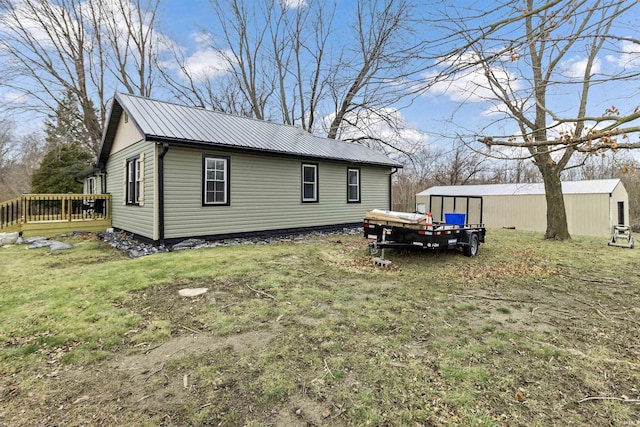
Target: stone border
125,242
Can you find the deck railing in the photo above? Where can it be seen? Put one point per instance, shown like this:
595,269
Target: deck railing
49,208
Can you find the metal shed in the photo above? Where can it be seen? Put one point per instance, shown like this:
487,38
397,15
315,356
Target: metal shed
593,207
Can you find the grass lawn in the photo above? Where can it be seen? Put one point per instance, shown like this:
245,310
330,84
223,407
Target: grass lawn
528,333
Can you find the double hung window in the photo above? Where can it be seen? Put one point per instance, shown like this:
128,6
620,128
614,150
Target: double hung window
215,180
133,181
353,185
309,182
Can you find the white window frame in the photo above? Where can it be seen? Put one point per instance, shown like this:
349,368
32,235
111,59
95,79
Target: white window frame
225,180
134,177
356,185
313,199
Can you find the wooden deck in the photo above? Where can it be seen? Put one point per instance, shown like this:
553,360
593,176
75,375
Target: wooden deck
51,214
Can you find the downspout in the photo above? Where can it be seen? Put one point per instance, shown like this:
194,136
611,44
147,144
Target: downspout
165,148
103,180
391,188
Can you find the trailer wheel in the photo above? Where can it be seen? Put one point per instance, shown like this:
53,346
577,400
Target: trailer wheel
472,248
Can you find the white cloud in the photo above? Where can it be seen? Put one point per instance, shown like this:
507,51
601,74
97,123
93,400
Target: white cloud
202,38
293,4
206,63
49,25
14,98
629,56
574,68
557,130
388,125
472,84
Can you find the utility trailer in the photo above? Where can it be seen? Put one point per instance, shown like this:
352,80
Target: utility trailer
453,230
400,230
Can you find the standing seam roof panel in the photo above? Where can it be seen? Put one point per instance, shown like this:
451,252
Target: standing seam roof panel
190,128
165,120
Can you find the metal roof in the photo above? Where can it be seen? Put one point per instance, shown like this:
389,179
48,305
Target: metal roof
598,186
167,121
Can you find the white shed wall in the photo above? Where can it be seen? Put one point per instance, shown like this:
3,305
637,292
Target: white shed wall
588,214
524,212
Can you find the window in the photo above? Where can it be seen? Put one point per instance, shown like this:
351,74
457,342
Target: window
353,185
309,182
215,180
133,180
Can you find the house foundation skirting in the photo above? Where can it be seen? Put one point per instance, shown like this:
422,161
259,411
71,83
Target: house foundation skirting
262,234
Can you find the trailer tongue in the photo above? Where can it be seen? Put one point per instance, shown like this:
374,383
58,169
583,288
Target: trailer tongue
390,229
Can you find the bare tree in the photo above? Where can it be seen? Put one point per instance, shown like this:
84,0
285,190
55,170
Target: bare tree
19,157
368,72
432,165
416,176
522,63
460,166
201,89
87,47
132,42
290,63
6,144
272,61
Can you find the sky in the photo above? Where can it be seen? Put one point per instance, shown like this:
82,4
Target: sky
453,108
184,19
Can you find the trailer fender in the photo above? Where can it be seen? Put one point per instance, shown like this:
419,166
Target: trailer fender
470,242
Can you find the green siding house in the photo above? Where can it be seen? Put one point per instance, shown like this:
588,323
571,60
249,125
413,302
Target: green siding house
177,172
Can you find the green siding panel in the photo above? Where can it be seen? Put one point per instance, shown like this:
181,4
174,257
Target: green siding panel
265,195
135,219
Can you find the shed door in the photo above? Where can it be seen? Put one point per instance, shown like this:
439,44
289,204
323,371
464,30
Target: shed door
620,213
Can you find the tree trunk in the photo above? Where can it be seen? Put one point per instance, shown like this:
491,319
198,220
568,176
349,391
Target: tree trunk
557,227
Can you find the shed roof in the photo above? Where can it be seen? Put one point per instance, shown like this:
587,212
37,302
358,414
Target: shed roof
598,186
166,121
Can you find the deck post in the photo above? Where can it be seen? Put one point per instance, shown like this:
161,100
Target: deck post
23,214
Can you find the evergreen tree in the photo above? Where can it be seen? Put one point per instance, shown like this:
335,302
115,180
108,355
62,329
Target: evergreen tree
66,152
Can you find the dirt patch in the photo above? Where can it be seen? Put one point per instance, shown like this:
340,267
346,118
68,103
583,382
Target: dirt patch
164,302
303,411
157,356
352,257
525,313
145,374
